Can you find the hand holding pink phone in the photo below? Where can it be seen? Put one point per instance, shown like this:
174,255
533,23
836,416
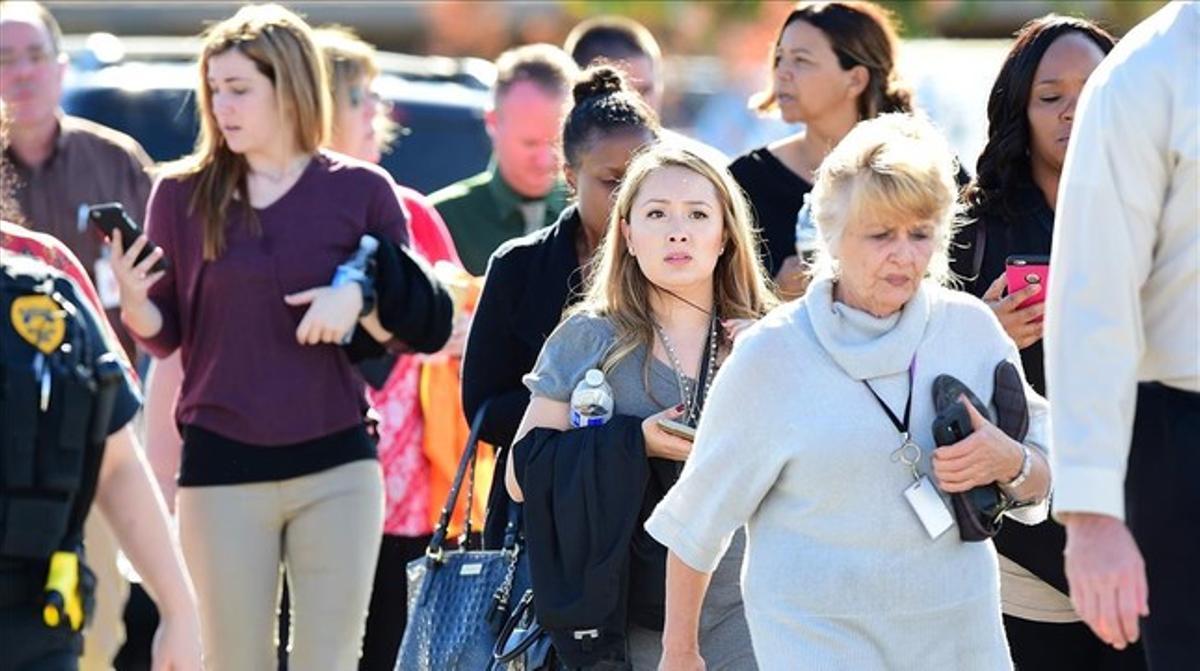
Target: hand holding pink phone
1022,270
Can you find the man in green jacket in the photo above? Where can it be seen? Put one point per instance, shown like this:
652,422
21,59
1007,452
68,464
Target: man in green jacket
522,189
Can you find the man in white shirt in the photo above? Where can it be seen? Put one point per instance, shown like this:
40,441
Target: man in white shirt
1123,343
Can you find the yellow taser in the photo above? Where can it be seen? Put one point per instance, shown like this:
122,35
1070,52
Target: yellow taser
61,595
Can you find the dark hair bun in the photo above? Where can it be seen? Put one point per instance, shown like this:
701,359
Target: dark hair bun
601,80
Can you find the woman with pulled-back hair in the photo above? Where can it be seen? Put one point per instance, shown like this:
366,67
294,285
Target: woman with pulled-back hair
531,279
833,65
852,559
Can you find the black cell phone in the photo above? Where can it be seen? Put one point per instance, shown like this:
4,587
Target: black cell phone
951,425
108,217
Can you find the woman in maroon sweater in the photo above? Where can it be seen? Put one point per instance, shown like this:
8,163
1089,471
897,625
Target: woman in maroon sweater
276,467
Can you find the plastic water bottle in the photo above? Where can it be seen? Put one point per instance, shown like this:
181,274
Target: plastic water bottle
354,269
592,400
356,266
806,232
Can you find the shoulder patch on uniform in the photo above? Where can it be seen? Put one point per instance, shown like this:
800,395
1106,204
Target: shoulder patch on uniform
40,321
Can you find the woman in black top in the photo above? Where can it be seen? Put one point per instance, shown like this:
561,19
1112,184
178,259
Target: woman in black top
532,279
833,66
1010,210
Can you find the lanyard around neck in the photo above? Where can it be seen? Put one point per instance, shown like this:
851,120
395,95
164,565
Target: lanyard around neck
901,426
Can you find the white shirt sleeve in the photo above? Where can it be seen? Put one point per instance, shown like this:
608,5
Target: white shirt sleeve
1109,205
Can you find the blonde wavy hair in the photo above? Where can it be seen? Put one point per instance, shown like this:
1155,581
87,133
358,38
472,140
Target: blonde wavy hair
895,166
619,291
281,46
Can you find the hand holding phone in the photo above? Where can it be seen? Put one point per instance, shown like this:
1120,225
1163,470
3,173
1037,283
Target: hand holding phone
1022,270
109,217
678,429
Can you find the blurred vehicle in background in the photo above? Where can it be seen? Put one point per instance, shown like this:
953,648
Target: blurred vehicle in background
144,87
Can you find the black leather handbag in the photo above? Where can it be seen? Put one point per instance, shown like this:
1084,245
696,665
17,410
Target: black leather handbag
459,599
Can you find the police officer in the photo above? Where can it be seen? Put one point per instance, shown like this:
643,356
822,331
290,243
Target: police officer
66,405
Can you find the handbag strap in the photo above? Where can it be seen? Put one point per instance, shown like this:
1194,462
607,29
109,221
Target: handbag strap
465,537
437,542
527,638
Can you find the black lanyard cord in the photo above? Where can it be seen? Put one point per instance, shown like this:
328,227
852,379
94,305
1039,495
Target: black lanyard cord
902,427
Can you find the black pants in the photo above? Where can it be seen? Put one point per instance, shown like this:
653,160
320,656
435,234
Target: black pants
28,645
388,614
1162,504
1048,646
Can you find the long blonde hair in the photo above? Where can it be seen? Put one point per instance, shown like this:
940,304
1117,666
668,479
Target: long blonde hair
619,291
281,46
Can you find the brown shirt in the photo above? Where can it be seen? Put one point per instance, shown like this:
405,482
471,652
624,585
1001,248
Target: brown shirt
90,164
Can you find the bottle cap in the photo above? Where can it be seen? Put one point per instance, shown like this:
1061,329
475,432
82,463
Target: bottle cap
368,243
594,377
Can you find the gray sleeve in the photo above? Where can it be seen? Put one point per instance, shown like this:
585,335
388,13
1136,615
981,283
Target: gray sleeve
576,346
736,461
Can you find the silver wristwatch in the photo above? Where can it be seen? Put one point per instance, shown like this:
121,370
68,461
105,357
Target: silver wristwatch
1026,466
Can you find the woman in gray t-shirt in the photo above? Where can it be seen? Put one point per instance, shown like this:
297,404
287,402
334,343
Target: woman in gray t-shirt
677,275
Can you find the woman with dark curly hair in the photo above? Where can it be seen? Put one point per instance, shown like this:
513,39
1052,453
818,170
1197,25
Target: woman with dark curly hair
1011,211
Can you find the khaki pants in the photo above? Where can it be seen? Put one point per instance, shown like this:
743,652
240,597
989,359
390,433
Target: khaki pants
106,632
324,527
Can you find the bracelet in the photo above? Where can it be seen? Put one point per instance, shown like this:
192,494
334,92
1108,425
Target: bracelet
1026,467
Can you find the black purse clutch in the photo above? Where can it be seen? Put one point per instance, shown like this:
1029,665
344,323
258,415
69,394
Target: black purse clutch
978,513
459,599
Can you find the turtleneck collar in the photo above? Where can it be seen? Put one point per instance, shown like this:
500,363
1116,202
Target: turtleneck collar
863,345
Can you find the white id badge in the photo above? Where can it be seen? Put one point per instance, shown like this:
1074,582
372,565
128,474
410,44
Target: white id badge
929,507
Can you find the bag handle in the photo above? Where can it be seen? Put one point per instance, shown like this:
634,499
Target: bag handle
502,651
435,551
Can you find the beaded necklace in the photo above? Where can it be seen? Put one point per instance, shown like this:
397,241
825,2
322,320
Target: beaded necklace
692,400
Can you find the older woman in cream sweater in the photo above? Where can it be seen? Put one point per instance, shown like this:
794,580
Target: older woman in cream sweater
853,562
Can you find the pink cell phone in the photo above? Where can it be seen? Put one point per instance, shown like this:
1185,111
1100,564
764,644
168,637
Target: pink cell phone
1021,270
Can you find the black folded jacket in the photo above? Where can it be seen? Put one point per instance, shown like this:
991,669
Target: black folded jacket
584,494
413,306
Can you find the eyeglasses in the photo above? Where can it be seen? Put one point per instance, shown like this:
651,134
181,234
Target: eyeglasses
359,96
